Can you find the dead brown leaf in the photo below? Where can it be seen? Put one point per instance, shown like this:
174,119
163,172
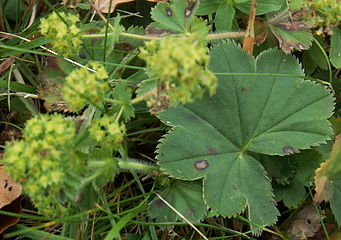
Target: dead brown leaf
6,64
7,221
9,190
103,5
305,224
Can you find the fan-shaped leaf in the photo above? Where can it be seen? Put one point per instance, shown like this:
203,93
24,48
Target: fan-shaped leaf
257,108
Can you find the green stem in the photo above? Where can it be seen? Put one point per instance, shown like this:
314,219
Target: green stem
210,37
136,165
143,97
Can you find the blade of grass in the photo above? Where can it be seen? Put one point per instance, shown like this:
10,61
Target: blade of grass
36,234
114,232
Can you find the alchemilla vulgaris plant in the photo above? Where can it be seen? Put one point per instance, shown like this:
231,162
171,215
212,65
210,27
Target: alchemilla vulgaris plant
124,120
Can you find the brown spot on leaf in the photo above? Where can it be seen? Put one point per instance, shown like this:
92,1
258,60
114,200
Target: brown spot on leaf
157,32
169,12
201,165
287,150
159,203
193,118
212,151
189,9
244,89
190,212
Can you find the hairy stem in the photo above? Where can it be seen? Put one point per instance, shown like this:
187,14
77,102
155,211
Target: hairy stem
138,165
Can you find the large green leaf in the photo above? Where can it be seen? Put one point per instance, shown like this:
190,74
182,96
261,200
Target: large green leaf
259,110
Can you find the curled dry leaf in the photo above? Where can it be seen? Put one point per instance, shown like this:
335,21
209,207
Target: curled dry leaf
305,224
9,190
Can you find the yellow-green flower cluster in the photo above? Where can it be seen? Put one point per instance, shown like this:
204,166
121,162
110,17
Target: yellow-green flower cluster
320,13
83,87
179,63
42,161
107,132
65,34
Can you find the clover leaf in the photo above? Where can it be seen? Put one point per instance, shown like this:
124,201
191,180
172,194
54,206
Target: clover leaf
262,106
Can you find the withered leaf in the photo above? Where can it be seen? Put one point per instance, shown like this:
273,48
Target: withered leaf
50,86
104,5
291,32
9,190
7,221
305,224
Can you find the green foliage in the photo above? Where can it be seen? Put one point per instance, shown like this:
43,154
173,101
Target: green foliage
185,197
225,10
321,13
122,95
249,113
335,48
240,125
263,6
291,174
328,181
178,17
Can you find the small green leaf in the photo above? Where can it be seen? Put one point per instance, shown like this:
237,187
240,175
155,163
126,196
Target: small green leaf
293,194
224,17
207,7
292,39
335,48
176,16
317,56
102,165
262,113
122,94
263,6
186,197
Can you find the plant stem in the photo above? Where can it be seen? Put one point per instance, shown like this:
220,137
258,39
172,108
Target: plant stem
137,165
143,97
210,37
216,36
